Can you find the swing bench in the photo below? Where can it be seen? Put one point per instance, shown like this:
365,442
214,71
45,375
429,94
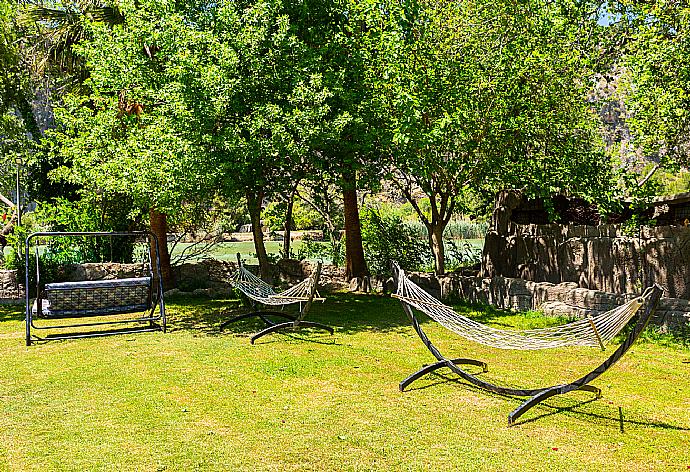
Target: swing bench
258,291
93,298
591,331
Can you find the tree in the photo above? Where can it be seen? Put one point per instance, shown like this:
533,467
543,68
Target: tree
184,102
17,121
487,95
135,129
49,32
656,78
352,150
270,104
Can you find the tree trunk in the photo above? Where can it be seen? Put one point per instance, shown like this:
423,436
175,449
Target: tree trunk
437,249
355,264
254,201
159,227
287,228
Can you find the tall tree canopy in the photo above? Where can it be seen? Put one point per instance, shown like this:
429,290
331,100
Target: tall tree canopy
183,102
656,70
485,95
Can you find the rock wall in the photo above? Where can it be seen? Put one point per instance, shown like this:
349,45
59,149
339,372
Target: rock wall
603,257
10,288
208,277
553,299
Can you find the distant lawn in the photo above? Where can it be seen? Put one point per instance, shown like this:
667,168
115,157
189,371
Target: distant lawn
227,251
199,399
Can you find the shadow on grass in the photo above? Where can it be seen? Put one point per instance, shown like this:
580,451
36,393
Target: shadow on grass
201,314
573,410
12,313
346,313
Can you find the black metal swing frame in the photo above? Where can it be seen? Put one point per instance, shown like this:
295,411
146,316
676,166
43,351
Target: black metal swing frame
294,321
536,395
148,316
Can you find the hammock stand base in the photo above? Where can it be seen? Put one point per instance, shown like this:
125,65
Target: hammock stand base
537,395
271,326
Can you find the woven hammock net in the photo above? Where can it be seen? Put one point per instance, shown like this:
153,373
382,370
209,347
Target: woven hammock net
593,331
259,291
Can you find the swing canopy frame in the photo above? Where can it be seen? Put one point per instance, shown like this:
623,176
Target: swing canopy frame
93,298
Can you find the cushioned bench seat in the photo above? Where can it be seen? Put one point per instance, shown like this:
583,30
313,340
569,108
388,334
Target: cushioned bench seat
95,297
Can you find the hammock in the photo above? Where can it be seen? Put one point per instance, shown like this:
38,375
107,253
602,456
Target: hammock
260,292
592,331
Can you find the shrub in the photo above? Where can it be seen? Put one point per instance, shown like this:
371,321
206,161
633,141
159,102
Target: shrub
313,249
461,254
387,239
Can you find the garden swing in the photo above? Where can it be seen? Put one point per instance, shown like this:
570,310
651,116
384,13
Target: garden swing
89,298
591,331
258,291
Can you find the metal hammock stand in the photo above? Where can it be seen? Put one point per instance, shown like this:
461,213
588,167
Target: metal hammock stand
588,332
259,292
64,300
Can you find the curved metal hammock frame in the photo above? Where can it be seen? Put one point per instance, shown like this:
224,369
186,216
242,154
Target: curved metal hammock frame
259,292
601,329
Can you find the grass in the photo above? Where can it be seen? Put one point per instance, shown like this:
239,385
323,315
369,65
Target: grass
226,251
199,399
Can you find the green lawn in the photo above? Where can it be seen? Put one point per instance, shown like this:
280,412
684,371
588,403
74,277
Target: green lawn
198,399
227,251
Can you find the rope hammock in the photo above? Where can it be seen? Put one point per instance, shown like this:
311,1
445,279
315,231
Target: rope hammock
261,292
594,331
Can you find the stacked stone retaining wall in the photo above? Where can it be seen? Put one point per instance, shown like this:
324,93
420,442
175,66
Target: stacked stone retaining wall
606,257
553,299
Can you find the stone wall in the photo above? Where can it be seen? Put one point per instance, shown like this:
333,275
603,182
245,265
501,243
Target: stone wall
10,288
553,299
208,277
603,257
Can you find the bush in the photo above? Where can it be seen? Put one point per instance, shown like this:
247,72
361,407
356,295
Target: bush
387,239
303,216
15,260
461,254
456,229
85,215
313,249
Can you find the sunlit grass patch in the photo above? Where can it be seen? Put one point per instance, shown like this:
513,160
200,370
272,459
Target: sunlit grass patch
200,399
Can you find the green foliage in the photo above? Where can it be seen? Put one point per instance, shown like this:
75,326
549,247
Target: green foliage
461,254
456,229
303,216
313,249
492,95
16,260
386,238
17,122
103,214
657,78
673,183
134,129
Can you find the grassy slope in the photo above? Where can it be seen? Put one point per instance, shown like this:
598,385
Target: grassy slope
197,399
